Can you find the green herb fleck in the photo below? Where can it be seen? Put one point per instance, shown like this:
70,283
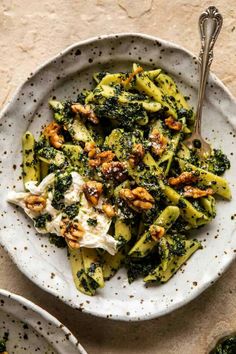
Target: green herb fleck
92,222
40,221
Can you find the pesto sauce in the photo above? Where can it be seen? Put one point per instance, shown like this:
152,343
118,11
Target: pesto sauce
71,210
92,222
141,266
58,241
225,346
41,220
125,116
3,341
62,184
218,163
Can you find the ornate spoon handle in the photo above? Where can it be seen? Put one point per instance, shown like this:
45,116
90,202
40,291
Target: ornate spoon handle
210,23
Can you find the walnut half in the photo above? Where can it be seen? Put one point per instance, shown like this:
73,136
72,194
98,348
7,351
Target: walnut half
52,131
136,155
92,191
184,177
72,231
35,203
158,142
85,111
96,157
138,199
173,123
156,232
195,193
115,170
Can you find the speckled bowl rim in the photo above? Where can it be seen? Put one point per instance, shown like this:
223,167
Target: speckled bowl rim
212,78
44,315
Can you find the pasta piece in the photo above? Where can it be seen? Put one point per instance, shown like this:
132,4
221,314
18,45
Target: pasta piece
146,243
92,265
219,185
145,85
163,274
188,212
111,264
82,282
31,167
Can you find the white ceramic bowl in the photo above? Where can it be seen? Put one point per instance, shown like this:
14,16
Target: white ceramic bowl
32,329
64,76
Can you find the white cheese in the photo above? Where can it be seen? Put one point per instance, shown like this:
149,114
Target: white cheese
43,185
73,194
94,236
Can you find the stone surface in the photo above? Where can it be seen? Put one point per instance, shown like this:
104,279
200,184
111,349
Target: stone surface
33,31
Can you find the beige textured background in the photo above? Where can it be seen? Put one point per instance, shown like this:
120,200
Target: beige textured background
32,31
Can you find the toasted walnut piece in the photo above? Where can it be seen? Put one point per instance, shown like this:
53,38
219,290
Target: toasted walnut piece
90,146
184,177
137,154
143,194
109,210
195,193
73,244
173,123
156,232
106,156
85,111
92,191
158,142
52,131
35,203
72,231
115,170
96,157
101,157
139,199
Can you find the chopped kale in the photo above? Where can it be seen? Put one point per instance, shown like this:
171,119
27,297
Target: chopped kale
149,216
101,75
58,241
41,220
2,346
71,210
125,115
57,201
178,247
141,266
92,222
81,97
126,213
194,159
184,113
3,342
42,143
225,346
93,284
68,114
48,153
149,181
218,162
92,269
62,184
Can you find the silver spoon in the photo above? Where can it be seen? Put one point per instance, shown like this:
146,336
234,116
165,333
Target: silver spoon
210,23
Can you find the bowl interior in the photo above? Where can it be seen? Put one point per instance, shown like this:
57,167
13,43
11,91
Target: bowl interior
64,77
